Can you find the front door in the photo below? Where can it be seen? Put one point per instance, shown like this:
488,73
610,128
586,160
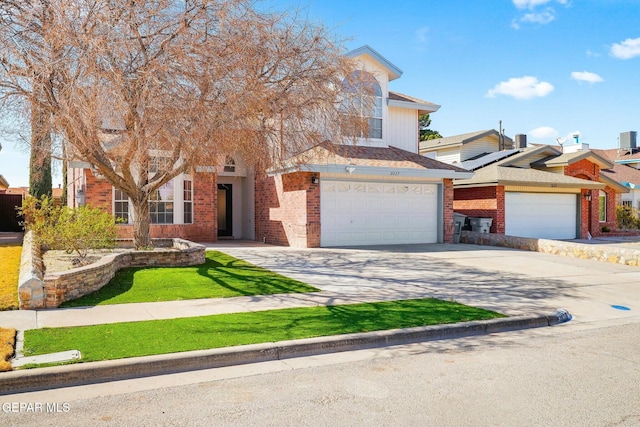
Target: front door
225,213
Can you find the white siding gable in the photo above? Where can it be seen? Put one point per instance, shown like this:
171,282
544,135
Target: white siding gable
449,155
402,129
477,147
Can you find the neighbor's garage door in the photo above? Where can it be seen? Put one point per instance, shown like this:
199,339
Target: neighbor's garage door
372,213
541,215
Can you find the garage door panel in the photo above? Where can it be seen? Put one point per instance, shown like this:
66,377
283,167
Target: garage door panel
378,213
541,215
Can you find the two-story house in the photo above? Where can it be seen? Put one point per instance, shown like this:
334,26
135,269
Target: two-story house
378,190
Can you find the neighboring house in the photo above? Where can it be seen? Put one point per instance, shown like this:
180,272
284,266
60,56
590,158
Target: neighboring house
626,168
540,191
56,193
378,191
3,185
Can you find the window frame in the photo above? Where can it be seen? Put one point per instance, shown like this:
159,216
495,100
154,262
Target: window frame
162,205
353,88
602,199
187,201
121,200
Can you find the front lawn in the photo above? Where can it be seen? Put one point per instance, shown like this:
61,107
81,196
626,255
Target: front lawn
131,339
221,276
9,272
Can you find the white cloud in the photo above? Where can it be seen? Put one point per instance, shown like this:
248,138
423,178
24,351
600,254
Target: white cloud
627,49
543,132
531,4
421,34
591,54
586,76
536,14
542,18
526,87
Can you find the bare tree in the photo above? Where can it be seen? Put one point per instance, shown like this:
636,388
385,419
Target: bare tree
26,43
187,80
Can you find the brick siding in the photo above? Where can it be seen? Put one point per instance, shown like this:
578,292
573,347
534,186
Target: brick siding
288,210
588,170
448,211
205,204
482,202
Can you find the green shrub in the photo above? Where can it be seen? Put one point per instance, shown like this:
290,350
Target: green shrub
627,218
72,230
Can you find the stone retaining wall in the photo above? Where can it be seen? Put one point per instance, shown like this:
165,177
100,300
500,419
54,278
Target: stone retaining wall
596,252
38,291
30,279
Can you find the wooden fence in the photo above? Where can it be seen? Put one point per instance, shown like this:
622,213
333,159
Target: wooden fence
9,219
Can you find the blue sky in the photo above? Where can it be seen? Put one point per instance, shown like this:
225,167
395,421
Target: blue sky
546,68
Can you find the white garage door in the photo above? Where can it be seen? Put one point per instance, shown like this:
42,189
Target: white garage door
541,215
374,213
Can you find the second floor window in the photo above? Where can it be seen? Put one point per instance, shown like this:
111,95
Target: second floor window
363,96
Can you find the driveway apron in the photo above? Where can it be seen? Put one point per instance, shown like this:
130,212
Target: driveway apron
505,280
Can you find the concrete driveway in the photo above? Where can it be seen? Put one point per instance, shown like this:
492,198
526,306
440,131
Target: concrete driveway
505,280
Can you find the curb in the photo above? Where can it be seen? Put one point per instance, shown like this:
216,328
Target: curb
114,370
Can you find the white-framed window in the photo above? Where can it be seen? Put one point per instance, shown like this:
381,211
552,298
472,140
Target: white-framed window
603,206
161,204
229,164
172,203
626,203
187,201
362,93
121,206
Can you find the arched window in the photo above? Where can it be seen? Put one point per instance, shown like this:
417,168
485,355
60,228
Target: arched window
363,96
229,164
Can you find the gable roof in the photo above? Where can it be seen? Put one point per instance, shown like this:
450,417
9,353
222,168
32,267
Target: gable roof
621,155
623,174
401,100
3,182
566,159
496,174
529,152
361,160
459,140
393,72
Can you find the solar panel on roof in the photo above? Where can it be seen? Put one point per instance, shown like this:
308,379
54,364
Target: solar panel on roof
488,159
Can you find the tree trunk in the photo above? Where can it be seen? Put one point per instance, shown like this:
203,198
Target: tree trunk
40,162
141,231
